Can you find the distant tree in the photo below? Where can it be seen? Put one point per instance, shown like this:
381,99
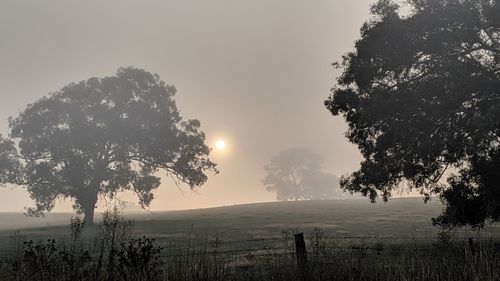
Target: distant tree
421,96
295,174
98,137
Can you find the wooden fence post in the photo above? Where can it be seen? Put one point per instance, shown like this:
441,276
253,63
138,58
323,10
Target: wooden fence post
472,245
300,249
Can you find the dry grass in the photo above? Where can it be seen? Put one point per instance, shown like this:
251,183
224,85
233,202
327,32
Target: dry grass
114,254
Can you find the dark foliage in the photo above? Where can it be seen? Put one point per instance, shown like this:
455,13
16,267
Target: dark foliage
114,256
421,95
140,259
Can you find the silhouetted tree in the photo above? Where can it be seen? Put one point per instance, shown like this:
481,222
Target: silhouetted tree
421,96
9,163
295,174
102,136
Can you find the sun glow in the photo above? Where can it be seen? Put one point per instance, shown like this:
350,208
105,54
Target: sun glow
220,145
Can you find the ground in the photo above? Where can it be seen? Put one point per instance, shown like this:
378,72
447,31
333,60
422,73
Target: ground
359,238
403,217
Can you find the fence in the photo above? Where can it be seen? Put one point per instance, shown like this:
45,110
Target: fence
300,253
298,246
288,243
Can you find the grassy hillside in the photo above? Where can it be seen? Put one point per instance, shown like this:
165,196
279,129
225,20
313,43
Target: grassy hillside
357,241
349,217
405,216
13,221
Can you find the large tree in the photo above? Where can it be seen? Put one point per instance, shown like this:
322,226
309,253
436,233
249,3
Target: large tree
98,137
421,96
295,174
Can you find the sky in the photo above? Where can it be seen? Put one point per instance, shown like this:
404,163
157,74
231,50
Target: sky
255,73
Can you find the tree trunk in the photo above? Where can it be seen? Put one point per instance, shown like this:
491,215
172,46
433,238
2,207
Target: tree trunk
89,208
89,216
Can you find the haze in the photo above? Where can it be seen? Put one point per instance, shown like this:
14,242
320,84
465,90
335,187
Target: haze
255,73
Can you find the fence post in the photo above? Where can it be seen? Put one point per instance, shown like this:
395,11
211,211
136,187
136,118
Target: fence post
300,249
471,245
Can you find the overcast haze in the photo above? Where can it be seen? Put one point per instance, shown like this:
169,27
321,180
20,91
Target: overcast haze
253,72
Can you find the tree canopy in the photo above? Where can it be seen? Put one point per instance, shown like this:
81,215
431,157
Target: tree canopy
295,174
421,96
101,136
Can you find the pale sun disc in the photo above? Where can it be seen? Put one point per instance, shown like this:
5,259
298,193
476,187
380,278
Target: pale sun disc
220,145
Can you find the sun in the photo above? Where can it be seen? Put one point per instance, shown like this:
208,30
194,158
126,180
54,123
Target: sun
220,145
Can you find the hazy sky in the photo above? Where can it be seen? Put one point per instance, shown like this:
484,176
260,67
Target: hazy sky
255,73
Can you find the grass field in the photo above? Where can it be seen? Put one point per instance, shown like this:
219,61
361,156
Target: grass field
401,217
345,240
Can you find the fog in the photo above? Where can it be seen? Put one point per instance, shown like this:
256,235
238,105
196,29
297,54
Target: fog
255,73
